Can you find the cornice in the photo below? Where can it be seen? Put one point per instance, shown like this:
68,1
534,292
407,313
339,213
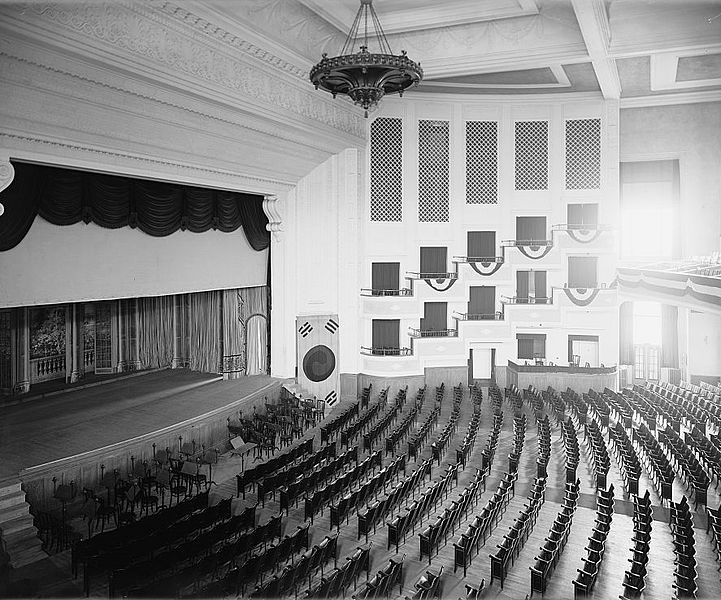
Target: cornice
168,41
670,99
226,37
14,142
281,133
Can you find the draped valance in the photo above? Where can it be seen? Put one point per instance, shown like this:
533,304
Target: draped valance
66,196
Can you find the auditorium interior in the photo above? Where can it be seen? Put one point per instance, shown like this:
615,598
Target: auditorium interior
431,313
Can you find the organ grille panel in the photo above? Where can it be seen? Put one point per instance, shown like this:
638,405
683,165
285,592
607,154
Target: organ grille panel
386,150
433,140
481,162
583,154
531,155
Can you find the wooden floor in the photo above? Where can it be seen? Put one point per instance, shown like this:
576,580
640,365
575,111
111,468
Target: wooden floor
517,584
64,425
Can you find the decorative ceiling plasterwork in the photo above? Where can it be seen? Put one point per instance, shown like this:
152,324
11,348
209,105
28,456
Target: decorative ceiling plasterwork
492,43
174,39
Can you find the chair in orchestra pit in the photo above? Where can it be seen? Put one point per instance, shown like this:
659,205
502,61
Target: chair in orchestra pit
177,485
474,593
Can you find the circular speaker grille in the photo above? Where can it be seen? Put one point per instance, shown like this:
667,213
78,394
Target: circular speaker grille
318,363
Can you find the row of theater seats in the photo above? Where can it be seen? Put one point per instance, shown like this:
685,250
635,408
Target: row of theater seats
634,580
596,548
556,540
403,429
364,422
385,421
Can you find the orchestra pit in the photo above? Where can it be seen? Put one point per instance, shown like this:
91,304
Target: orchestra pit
360,299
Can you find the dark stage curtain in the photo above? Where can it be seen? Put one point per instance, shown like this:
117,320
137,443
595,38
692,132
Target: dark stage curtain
669,336
65,197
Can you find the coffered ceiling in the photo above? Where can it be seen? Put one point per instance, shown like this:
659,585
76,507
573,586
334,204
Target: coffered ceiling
651,51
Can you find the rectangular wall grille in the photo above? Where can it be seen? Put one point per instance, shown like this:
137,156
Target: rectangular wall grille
386,169
5,347
433,170
481,162
531,155
583,154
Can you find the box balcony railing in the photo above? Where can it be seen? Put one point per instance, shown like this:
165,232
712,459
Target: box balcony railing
405,292
531,243
478,259
386,351
494,316
526,300
434,333
421,275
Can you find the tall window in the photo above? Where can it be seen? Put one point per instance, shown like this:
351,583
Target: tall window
582,271
583,350
435,317
531,345
650,209
647,327
385,278
434,261
386,336
530,229
531,287
482,302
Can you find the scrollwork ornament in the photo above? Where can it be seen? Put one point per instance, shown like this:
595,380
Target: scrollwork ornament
7,173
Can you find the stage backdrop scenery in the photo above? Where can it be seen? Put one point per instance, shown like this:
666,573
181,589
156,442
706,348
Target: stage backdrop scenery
70,236
317,345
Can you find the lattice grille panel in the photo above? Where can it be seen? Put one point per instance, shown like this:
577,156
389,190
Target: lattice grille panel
531,155
433,140
481,162
387,169
583,154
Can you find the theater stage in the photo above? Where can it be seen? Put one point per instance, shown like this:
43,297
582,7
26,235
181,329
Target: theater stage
68,436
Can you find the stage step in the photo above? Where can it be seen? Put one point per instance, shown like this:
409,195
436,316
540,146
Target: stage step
18,536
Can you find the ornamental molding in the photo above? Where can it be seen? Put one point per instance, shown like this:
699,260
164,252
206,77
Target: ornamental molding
277,132
7,172
243,183
271,207
171,41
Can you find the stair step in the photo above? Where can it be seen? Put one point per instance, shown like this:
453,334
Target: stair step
21,544
18,524
27,557
11,499
13,512
10,488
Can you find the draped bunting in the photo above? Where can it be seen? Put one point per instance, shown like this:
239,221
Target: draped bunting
65,197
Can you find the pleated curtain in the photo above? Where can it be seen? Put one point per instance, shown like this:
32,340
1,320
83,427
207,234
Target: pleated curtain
204,334
625,350
254,302
669,336
156,332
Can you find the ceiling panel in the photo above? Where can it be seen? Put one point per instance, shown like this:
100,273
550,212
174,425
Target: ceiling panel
692,68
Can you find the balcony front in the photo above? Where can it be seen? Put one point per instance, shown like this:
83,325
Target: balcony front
432,333
527,300
386,351
494,316
394,293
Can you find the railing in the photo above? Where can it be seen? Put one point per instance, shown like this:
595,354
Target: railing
394,292
425,333
538,243
478,259
233,363
417,275
495,316
47,368
386,351
526,300
89,358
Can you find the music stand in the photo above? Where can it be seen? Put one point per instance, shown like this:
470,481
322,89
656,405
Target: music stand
241,448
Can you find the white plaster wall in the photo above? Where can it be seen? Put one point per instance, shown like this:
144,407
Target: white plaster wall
400,241
314,260
690,133
87,262
704,339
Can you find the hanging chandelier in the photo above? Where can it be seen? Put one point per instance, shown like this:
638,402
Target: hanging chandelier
364,76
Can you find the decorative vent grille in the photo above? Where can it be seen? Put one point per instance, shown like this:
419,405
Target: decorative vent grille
433,140
5,363
531,155
583,154
387,169
481,162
